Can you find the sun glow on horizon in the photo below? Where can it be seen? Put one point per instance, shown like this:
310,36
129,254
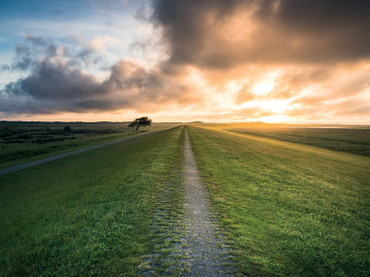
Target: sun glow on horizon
273,105
263,88
266,85
233,63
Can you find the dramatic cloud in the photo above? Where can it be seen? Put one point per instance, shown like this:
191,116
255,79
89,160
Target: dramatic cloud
221,60
225,33
282,59
57,83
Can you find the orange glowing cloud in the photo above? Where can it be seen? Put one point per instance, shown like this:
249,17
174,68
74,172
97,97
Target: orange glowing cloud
235,60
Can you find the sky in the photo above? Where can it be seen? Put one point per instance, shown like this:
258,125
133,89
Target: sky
278,61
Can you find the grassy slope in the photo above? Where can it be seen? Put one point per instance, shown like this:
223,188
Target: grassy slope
88,214
291,209
16,154
355,141
88,134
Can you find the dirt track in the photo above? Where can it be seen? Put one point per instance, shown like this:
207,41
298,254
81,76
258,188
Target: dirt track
206,247
188,239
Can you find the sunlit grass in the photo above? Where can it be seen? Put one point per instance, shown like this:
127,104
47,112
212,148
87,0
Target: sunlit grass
351,140
291,209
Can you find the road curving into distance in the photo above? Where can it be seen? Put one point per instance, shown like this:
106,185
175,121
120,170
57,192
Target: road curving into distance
53,158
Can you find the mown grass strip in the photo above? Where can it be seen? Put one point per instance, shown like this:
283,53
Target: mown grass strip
291,210
84,215
166,258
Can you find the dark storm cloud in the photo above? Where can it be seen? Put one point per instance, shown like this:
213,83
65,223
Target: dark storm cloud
220,33
53,81
49,88
56,84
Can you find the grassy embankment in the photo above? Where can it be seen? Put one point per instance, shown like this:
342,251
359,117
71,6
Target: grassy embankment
291,209
22,142
90,214
351,140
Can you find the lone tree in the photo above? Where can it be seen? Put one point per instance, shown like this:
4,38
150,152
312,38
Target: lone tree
138,122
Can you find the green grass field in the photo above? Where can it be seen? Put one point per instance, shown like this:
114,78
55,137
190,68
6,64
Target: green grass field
291,209
86,215
22,142
352,140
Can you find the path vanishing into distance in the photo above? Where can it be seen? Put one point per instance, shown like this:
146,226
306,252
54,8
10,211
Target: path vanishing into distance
193,237
188,240
57,157
206,247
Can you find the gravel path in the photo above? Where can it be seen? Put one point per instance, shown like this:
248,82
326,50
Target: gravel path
188,241
206,248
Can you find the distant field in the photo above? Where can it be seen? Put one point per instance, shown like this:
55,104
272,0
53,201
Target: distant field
88,214
22,142
291,209
356,141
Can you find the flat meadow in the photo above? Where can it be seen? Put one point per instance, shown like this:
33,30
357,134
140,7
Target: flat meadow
22,142
351,139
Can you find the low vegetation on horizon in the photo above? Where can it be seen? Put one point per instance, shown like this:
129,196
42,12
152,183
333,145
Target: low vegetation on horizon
22,142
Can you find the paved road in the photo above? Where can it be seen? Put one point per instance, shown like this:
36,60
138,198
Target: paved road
53,158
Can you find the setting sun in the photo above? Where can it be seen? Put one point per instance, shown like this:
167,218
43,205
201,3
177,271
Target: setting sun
275,106
184,138
236,61
263,88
